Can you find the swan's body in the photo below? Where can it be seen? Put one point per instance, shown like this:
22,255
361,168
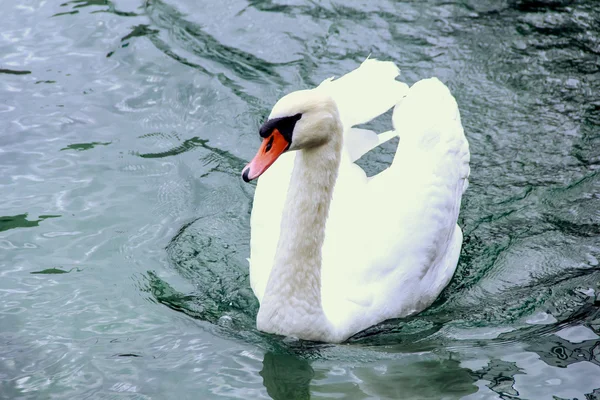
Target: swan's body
334,252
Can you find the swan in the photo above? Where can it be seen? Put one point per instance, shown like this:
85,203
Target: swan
332,251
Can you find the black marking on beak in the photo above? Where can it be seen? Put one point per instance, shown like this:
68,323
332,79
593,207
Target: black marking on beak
245,175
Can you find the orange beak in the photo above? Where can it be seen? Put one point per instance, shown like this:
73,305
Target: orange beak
271,148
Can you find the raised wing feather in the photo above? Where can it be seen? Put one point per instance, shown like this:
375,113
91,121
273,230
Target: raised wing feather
367,92
362,95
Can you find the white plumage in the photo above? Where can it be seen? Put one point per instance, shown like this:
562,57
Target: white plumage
369,249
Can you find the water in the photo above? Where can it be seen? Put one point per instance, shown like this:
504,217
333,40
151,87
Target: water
125,224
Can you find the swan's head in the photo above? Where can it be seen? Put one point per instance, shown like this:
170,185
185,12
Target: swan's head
300,120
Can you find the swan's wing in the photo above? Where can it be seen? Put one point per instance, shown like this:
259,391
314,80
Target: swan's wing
428,123
407,214
366,92
425,184
362,95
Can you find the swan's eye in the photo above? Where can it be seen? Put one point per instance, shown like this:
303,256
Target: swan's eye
284,125
270,144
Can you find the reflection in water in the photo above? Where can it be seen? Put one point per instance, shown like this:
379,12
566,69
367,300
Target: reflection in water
561,353
433,379
88,3
286,377
20,221
291,376
500,374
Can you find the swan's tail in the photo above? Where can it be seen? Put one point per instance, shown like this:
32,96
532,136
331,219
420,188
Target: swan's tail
367,92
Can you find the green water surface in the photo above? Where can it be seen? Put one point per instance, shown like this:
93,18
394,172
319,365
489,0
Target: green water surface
124,224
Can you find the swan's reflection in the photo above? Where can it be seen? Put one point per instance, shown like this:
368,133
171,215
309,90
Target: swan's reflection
289,376
286,376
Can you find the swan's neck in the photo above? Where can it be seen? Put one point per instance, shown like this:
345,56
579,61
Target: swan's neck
291,304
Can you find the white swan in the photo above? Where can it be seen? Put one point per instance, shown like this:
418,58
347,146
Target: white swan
332,251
